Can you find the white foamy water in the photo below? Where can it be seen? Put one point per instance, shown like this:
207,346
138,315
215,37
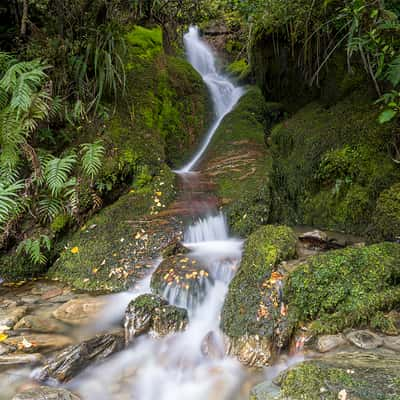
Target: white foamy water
175,368
223,93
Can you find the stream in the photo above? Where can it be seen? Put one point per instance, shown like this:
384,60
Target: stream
175,367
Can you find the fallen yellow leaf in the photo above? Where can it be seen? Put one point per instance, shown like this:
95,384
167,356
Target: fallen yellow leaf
75,250
3,337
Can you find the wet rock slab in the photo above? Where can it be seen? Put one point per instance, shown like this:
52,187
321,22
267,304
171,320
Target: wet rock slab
366,340
31,343
46,393
329,342
75,358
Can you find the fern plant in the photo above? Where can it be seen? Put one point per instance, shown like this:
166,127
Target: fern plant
92,158
10,201
57,171
36,249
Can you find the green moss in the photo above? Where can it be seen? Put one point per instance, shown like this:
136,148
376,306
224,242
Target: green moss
387,214
345,288
15,268
369,378
329,165
108,256
60,223
239,69
264,249
145,43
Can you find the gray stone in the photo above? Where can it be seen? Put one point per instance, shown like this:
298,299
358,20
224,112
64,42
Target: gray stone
329,342
392,343
10,316
366,340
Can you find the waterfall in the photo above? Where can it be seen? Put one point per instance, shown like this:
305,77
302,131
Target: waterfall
177,367
223,93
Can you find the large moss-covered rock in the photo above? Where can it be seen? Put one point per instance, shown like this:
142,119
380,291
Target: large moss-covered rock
351,376
345,288
183,279
253,306
329,165
239,163
117,246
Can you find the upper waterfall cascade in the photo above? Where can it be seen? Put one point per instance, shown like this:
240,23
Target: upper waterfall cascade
224,93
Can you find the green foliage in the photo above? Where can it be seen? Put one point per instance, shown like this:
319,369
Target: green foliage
92,158
100,70
387,214
11,203
344,288
329,165
36,249
146,43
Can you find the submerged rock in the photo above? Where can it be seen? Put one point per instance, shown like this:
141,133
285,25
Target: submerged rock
152,314
75,358
181,279
212,346
79,311
46,393
254,313
11,315
42,324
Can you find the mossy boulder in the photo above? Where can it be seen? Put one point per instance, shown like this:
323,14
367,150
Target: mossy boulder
152,314
387,214
352,376
345,288
119,244
330,165
253,306
183,278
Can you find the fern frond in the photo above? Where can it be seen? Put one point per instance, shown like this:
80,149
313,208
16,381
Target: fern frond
57,171
35,249
10,201
49,208
92,158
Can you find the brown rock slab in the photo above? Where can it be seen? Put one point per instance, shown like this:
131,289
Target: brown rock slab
34,342
52,293
20,359
79,311
10,316
39,324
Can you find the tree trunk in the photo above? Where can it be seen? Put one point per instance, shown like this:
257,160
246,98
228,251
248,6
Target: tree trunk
24,19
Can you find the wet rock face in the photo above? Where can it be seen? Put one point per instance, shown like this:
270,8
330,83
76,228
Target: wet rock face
252,351
46,393
254,307
182,279
75,358
329,342
152,314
